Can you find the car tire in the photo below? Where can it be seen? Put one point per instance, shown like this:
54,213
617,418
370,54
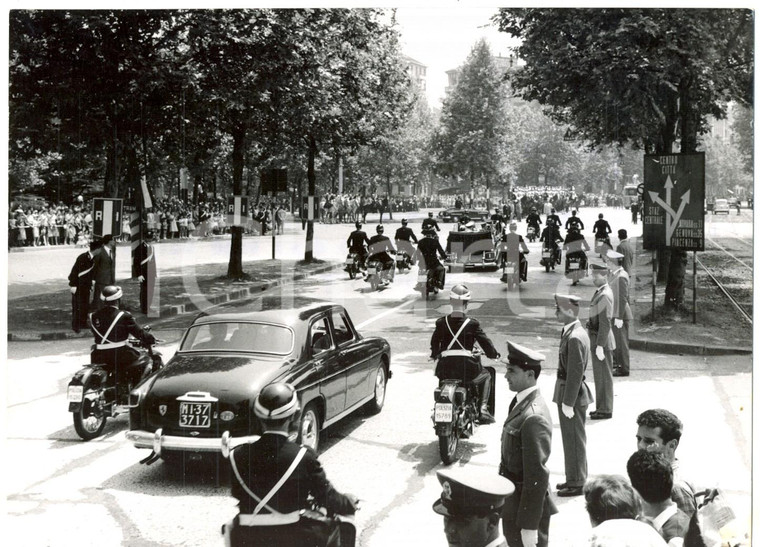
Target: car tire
378,399
309,428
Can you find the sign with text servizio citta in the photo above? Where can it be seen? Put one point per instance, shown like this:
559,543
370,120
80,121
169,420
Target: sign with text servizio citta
674,201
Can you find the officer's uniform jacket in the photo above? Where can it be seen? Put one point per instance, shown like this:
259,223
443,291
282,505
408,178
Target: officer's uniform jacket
533,219
574,221
624,248
356,241
112,327
575,243
601,229
405,233
144,261
380,246
600,317
526,441
620,283
472,332
263,463
574,353
550,235
430,248
430,223
104,271
82,272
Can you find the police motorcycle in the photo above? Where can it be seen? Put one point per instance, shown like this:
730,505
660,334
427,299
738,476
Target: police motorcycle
353,264
532,234
456,409
94,395
576,261
403,260
601,244
377,276
550,254
428,283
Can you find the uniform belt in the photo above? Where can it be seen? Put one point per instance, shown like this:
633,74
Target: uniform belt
269,519
111,345
456,353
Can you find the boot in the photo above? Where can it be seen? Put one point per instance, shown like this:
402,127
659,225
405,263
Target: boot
485,415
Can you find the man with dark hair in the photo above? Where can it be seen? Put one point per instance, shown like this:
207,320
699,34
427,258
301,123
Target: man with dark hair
625,249
613,507
660,431
526,441
404,237
471,504
428,251
652,477
430,223
80,283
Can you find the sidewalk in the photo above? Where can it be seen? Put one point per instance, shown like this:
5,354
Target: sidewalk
48,316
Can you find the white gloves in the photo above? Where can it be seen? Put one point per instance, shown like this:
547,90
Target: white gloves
140,278
568,411
73,290
529,537
600,353
619,323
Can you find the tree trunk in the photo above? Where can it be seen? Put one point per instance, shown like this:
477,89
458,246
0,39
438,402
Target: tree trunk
308,255
388,193
235,268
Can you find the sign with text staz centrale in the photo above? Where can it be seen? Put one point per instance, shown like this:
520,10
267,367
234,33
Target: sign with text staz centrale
674,201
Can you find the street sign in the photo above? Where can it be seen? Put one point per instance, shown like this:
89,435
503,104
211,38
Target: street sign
274,180
106,217
237,210
308,207
674,196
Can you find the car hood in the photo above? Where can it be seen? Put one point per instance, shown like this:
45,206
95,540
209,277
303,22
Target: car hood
219,374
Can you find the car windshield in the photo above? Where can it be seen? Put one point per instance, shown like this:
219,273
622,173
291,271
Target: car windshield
630,191
239,337
722,202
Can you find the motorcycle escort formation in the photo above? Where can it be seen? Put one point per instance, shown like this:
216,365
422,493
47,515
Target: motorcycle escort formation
378,276
550,256
353,265
403,261
456,410
94,395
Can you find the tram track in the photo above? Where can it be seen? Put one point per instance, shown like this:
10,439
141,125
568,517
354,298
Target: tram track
729,267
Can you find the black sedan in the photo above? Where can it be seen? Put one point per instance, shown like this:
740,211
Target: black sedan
453,215
204,394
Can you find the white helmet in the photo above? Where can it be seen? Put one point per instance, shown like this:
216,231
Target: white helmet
460,292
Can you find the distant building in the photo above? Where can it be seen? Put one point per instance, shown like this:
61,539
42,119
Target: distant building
417,71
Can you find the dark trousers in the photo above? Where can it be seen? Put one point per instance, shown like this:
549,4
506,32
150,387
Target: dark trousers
574,445
80,306
482,383
97,303
621,357
146,295
509,521
602,377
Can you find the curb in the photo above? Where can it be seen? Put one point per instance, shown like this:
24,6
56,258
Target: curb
675,348
172,311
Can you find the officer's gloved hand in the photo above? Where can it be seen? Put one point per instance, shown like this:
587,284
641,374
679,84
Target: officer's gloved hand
619,323
600,353
140,278
568,411
529,537
73,290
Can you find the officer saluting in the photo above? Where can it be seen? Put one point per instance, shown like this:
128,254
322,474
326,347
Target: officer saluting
112,327
471,504
144,265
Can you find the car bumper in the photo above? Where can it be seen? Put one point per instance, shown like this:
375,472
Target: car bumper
159,442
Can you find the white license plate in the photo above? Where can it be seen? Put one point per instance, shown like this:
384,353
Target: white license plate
444,412
197,415
75,394
546,254
422,278
510,269
574,266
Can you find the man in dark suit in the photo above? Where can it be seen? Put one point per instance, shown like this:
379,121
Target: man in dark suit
80,281
260,466
104,269
526,441
571,394
144,263
599,328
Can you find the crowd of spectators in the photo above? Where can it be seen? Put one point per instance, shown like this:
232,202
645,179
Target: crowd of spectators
43,224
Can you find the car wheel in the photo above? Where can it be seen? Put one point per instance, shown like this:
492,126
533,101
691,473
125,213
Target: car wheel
381,381
308,431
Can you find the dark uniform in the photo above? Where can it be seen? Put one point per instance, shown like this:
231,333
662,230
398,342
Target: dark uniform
513,249
576,246
429,249
356,244
555,217
261,465
144,264
81,278
429,223
533,219
574,221
112,327
404,236
104,271
379,247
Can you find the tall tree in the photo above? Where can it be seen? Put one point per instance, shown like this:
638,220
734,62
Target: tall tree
645,76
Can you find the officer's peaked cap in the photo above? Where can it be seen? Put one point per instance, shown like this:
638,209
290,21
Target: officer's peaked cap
471,491
523,357
567,301
613,254
599,267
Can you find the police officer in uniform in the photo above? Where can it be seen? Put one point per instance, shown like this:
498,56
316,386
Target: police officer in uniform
404,236
471,504
513,249
452,342
111,328
80,281
260,466
620,283
429,248
572,394
602,340
144,263
430,222
553,216
357,242
104,269
574,221
379,247
526,442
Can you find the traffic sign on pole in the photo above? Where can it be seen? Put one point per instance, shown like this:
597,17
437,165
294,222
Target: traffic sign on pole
674,196
237,210
106,217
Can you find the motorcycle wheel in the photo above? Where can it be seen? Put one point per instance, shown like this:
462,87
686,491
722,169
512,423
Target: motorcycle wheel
448,447
510,283
373,283
88,425
547,265
351,272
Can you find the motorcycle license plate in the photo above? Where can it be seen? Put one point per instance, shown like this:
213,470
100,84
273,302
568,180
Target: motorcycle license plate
195,415
75,394
444,412
510,269
349,261
546,254
574,266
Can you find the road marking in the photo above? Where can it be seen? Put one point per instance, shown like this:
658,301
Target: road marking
387,312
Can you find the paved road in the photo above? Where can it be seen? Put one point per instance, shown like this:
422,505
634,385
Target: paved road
57,482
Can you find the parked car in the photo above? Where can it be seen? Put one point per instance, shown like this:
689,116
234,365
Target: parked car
205,392
453,215
721,206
